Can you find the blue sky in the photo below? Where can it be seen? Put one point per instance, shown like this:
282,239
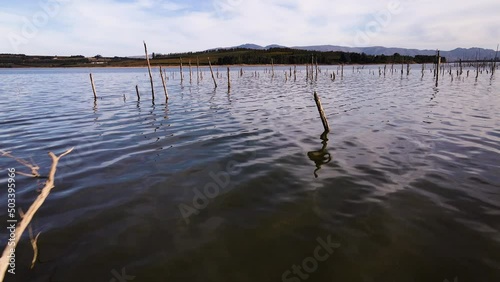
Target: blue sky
118,27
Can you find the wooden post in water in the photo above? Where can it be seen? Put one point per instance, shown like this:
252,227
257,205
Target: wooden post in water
228,80
294,73
317,68
190,73
182,74
93,86
137,91
321,113
438,64
272,67
164,85
212,71
494,64
342,72
197,69
149,70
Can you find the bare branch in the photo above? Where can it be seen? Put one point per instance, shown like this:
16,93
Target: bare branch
28,216
34,168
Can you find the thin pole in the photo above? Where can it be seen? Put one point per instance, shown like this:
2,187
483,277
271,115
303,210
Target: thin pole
228,79
93,86
182,75
321,112
149,70
212,71
164,85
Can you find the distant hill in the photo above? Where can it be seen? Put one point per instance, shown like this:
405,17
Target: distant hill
453,55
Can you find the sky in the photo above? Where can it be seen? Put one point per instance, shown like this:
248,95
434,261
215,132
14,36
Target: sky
118,27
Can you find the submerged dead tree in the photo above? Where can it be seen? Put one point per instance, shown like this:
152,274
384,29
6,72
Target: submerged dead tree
28,216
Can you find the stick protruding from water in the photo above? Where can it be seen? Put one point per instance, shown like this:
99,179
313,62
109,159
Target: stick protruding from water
149,70
321,113
93,86
212,71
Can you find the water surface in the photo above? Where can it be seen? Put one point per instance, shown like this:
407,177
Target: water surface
219,185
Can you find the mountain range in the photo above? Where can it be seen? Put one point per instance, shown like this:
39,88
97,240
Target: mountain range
452,55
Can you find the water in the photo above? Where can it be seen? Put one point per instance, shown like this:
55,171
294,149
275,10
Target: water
238,186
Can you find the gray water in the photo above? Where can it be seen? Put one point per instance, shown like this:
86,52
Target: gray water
239,186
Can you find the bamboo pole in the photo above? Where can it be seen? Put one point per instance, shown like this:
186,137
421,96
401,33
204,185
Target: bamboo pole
137,91
149,70
28,216
321,113
93,86
164,84
212,71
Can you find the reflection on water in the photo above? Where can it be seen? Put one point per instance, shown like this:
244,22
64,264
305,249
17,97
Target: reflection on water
320,157
407,183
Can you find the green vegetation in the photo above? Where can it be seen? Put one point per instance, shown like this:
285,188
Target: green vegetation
236,56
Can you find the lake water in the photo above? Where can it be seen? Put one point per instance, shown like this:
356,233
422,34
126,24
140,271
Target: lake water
238,186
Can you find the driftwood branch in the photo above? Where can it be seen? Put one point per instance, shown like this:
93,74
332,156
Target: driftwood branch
34,168
28,216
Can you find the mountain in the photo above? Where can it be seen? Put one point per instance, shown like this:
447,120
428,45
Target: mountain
250,46
452,55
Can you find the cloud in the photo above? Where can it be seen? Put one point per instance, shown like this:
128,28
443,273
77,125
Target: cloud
117,27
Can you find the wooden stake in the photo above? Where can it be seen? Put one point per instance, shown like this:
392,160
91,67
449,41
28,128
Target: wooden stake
164,85
321,112
228,79
197,69
137,91
190,73
149,70
182,74
212,71
272,66
438,64
93,86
